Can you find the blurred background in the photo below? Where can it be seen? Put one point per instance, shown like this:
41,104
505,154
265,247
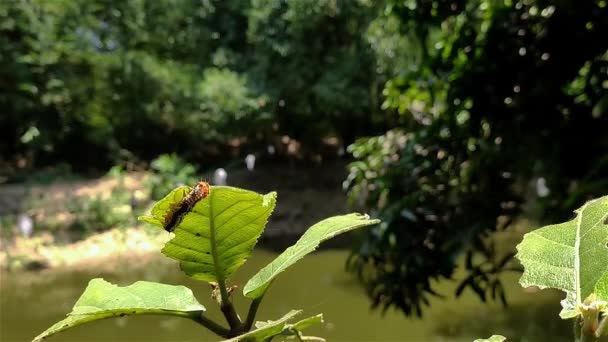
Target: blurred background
461,124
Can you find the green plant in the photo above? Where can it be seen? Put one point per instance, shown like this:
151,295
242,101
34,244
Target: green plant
94,215
169,171
573,257
193,77
211,242
487,85
97,214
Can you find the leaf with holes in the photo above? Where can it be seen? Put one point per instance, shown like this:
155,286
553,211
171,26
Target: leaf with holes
570,256
102,300
216,237
324,230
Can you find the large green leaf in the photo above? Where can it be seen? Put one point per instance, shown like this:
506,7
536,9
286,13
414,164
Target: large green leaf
324,230
218,235
102,300
570,256
266,330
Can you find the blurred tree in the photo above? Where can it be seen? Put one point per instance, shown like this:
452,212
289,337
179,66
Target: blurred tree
507,103
313,60
92,81
88,81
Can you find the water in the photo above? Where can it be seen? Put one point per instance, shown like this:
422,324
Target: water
31,302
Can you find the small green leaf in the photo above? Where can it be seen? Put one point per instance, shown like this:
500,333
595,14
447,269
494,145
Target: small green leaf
570,256
324,230
102,300
494,338
267,329
218,235
307,322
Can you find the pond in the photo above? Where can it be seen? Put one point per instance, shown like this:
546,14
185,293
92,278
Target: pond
31,302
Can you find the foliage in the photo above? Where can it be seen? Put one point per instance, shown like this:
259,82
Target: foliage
491,114
572,257
169,171
92,215
99,214
211,242
89,82
46,175
313,60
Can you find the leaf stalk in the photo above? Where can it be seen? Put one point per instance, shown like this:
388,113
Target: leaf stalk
253,309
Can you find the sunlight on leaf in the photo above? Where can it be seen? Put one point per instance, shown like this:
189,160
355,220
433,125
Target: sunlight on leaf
218,235
324,230
570,256
102,300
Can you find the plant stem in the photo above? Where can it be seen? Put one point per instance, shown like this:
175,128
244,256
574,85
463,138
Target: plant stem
581,334
231,316
253,309
211,325
577,330
602,329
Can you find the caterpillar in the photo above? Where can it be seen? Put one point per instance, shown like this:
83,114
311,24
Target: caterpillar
176,213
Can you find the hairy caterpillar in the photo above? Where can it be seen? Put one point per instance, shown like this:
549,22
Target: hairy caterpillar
176,214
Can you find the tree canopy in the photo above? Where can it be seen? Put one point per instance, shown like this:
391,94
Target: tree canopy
138,78
507,104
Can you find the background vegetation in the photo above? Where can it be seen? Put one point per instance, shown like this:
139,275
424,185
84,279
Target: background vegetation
473,108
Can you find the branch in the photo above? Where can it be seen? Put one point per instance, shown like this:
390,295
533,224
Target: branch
211,325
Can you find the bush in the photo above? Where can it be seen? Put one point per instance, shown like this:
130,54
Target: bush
169,171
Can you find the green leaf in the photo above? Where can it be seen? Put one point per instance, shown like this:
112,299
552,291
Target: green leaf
494,338
266,330
570,256
218,235
102,300
307,322
324,230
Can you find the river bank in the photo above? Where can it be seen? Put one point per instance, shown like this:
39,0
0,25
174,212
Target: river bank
306,195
